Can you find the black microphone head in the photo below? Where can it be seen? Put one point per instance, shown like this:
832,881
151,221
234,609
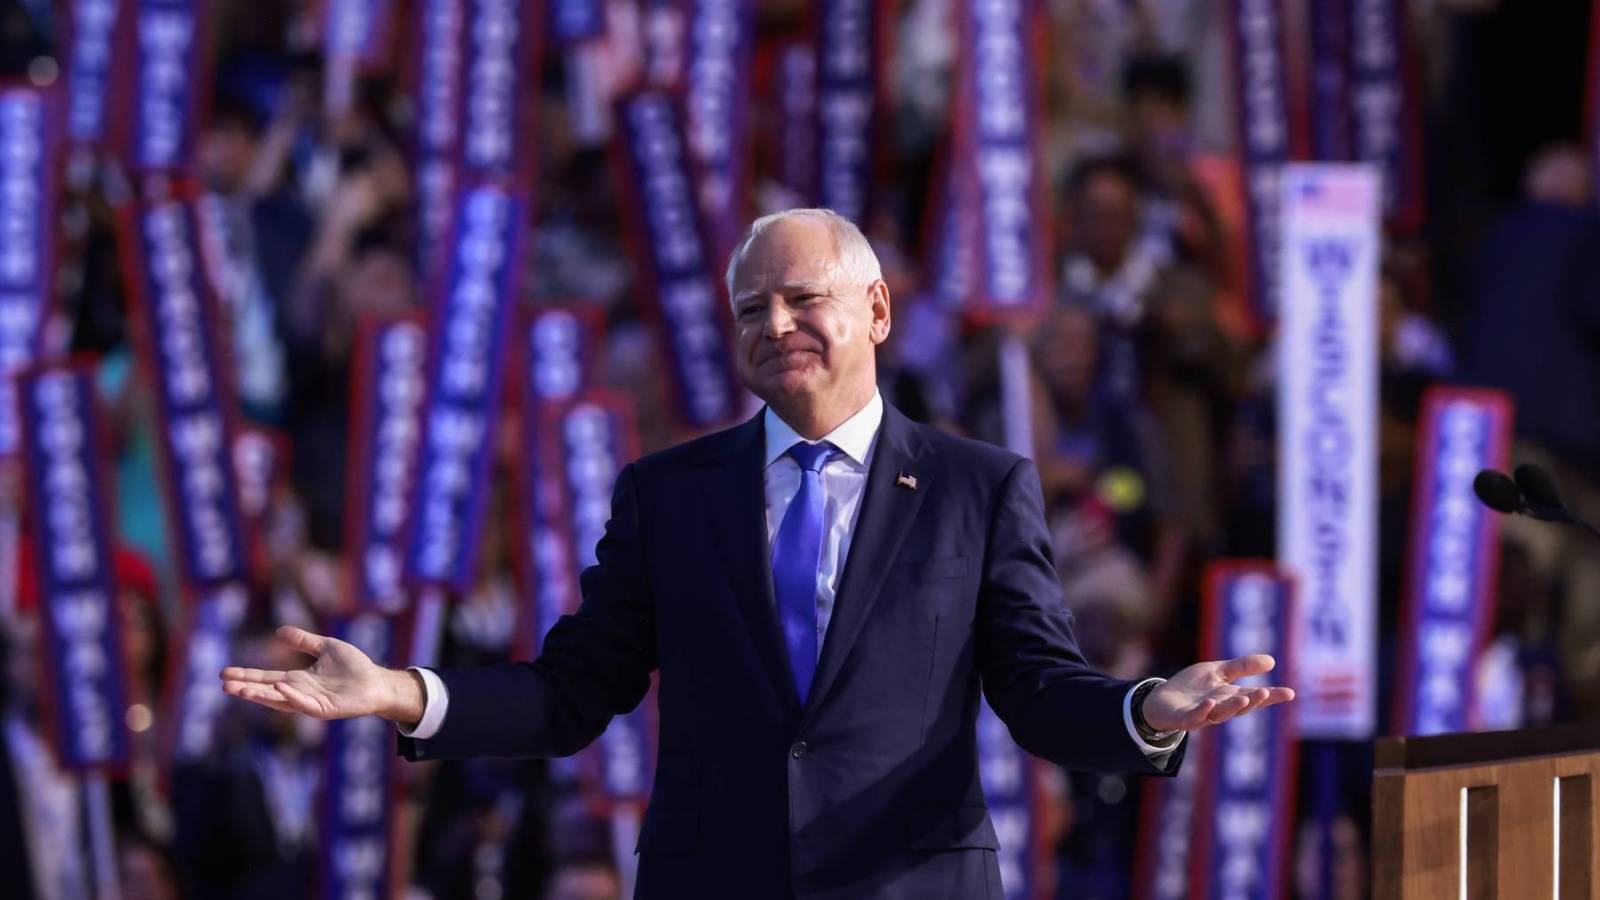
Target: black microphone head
1497,491
1537,485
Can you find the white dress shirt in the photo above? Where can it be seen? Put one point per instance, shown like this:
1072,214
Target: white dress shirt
844,481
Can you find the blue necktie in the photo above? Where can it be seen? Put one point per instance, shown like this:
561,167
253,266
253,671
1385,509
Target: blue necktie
796,551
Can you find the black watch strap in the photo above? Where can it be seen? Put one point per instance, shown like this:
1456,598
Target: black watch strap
1148,734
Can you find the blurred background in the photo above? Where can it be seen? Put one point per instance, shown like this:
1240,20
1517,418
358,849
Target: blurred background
314,151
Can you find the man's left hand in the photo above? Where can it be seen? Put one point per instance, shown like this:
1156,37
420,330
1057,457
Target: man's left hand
1207,694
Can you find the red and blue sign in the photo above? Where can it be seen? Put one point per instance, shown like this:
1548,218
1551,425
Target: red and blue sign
575,21
357,805
1006,773
680,263
595,437
794,145
720,50
557,361
438,92
164,97
500,92
465,363
849,105
205,647
1247,793
29,126
998,117
91,62
1166,824
69,508
1454,558
178,318
1366,105
388,390
1267,140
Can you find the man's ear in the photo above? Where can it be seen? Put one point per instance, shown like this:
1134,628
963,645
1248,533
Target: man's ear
878,300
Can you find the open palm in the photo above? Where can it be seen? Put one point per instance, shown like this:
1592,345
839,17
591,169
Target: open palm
1208,693
343,682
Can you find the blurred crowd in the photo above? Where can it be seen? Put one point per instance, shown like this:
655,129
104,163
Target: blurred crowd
1152,414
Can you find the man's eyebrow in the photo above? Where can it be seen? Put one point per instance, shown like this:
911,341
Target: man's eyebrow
788,287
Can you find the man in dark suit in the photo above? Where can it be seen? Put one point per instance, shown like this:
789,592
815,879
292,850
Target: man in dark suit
819,676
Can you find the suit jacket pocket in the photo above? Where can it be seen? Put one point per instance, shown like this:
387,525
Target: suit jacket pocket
669,826
945,568
966,826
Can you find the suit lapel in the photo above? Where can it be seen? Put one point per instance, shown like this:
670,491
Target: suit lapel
887,511
735,498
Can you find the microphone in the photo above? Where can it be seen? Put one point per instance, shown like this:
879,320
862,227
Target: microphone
1542,499
1538,487
1497,491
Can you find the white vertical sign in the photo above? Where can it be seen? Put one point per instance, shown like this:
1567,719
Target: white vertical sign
1327,438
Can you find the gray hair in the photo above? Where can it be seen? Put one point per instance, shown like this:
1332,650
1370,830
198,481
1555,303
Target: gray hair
855,259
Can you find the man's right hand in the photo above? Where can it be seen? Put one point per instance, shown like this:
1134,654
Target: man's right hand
343,683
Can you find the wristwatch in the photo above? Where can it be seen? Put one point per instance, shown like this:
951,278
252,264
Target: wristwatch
1146,733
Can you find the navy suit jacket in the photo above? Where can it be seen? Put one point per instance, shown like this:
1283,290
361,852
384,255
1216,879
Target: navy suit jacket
870,788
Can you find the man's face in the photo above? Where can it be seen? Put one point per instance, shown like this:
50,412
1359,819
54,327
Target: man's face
803,330
1107,218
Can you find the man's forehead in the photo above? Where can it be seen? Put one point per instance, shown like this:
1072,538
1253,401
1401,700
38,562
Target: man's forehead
767,268
757,287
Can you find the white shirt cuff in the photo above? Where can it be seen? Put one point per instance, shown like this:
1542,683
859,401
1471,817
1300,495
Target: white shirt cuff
1168,742
435,703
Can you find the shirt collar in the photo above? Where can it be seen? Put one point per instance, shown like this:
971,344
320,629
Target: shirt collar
853,436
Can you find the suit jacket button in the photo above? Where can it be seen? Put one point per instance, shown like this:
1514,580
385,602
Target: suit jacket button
798,750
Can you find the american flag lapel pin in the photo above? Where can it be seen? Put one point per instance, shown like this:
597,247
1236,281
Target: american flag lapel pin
905,480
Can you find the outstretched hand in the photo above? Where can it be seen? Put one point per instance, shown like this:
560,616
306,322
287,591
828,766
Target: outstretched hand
1208,693
343,683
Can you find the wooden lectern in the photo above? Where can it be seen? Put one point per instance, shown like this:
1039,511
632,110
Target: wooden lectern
1508,813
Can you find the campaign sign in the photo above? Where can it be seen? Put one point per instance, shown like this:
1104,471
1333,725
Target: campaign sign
177,315
356,39
438,41
356,806
556,360
1261,93
683,272
561,350
69,509
1385,109
260,460
848,104
164,96
595,436
1329,24
91,60
950,242
1247,783
1328,440
1454,558
198,655
359,30
795,149
500,87
465,361
387,392
720,50
28,186
1166,823
997,125
1004,769
574,21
